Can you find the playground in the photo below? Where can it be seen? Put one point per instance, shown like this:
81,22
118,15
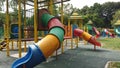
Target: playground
49,36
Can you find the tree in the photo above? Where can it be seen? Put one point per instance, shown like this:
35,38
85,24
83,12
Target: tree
116,17
84,10
108,10
1,4
101,14
68,9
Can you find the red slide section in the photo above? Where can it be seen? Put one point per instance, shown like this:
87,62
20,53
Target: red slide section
86,36
97,32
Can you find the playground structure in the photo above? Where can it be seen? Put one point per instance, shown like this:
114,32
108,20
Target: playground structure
19,33
117,28
43,49
45,21
92,30
101,32
74,21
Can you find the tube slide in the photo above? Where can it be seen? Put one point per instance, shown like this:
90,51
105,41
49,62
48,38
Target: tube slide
87,37
97,32
108,32
117,31
40,51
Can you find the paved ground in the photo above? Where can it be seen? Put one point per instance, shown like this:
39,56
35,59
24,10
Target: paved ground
82,57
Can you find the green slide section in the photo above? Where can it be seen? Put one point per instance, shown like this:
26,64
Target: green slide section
58,32
46,18
117,31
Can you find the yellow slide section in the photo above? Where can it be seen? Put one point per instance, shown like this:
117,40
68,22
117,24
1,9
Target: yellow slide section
48,45
86,36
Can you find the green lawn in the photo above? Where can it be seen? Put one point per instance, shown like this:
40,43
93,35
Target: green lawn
110,43
114,65
113,44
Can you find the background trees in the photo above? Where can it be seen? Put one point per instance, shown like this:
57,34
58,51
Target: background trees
101,14
116,17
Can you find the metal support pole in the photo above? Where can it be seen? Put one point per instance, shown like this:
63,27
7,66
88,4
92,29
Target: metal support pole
19,26
71,39
62,48
62,11
51,6
7,28
35,21
62,22
77,39
12,45
80,24
24,13
25,49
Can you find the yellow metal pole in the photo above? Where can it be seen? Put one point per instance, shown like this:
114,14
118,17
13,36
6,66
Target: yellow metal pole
17,43
12,45
87,29
80,24
42,33
7,27
19,26
25,49
66,42
77,39
51,6
35,21
71,34
24,13
71,39
68,22
62,22
85,42
62,11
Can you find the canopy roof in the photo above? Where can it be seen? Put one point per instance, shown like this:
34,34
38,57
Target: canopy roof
75,15
117,23
89,22
43,2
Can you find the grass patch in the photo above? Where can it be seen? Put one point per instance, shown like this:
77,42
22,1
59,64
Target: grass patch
110,43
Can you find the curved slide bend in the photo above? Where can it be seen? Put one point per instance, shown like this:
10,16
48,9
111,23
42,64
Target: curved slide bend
97,32
117,31
40,51
87,37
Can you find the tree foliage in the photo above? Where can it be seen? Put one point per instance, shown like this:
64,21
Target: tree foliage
116,17
101,14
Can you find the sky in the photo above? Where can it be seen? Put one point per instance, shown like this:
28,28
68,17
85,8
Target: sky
81,3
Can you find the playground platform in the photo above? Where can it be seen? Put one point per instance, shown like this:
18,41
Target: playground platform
82,57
